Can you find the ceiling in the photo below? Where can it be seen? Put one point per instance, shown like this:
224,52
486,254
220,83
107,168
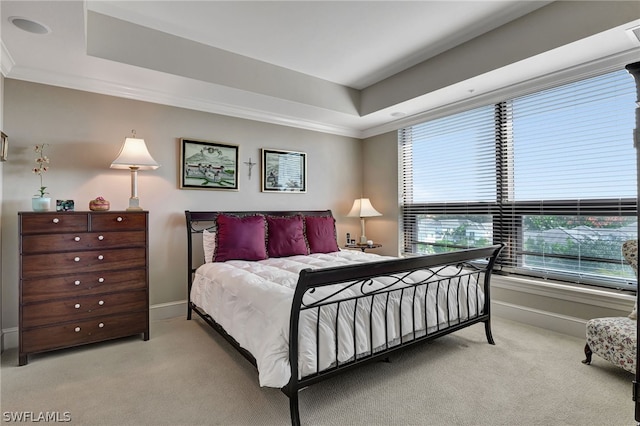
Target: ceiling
354,68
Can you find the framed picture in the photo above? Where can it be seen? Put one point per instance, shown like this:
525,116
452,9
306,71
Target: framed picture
64,205
208,165
284,171
4,146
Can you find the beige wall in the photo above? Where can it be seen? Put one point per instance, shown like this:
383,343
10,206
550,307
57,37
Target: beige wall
85,132
380,177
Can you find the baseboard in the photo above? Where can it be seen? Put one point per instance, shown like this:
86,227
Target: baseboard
160,311
548,320
168,310
9,338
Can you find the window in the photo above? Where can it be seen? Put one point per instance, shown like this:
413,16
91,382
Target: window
551,174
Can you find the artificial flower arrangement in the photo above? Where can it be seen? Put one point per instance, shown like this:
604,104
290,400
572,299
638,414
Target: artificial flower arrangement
42,166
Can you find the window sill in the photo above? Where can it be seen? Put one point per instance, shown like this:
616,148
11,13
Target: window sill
600,297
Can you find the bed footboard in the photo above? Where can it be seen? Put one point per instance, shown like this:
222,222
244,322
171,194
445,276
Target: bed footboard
366,312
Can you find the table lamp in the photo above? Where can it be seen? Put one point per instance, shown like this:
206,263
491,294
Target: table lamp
362,208
135,156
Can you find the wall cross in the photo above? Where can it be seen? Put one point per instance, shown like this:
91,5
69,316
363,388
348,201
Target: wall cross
250,164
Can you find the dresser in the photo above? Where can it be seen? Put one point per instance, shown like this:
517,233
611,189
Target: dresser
84,278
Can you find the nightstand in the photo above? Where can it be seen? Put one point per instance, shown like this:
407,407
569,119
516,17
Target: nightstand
363,247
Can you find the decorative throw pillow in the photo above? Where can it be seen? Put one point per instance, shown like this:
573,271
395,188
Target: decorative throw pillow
321,234
240,238
209,245
285,236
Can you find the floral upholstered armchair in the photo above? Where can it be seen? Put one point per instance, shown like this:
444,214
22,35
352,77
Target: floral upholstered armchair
614,338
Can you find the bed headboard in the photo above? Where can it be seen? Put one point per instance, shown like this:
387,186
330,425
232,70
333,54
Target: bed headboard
198,221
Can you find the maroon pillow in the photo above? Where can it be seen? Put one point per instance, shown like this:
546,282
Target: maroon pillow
321,234
285,236
240,238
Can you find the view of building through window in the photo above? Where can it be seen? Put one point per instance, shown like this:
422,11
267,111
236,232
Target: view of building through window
557,244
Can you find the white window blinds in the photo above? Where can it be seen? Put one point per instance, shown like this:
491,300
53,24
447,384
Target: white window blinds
452,159
575,141
551,174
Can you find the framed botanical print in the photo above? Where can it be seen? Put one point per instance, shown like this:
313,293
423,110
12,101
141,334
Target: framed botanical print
284,171
208,165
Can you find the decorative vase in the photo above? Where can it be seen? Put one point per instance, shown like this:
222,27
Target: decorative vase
99,205
40,204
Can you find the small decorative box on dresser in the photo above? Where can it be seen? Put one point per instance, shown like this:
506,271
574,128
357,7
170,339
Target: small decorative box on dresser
83,278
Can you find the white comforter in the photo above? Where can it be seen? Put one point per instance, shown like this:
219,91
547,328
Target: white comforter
252,301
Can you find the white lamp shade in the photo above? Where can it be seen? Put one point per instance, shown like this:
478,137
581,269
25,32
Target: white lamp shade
134,153
362,208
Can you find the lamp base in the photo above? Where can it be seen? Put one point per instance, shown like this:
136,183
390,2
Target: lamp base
134,204
363,238
134,208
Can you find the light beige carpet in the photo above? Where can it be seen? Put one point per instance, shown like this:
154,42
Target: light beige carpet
187,375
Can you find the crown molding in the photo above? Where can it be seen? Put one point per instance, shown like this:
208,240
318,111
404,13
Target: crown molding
210,105
173,99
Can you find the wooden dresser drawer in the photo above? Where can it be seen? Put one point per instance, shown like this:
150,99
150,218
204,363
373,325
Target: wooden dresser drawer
45,289
47,223
82,241
81,332
118,222
48,265
81,308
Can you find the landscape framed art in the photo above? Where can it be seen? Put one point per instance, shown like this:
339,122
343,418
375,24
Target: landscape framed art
208,165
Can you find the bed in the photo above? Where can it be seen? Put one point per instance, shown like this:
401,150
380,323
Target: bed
278,288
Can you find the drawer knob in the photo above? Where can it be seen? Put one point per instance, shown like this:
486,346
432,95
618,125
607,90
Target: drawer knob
100,280
77,282
101,302
55,220
100,237
101,325
119,219
100,257
76,239
77,306
77,329
76,259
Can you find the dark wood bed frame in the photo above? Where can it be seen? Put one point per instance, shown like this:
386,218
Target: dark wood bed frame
471,264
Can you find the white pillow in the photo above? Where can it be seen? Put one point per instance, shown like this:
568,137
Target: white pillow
209,245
